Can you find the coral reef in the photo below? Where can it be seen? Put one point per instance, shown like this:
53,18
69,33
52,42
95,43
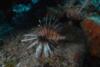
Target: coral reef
48,33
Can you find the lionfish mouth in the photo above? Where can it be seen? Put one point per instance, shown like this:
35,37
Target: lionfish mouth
45,36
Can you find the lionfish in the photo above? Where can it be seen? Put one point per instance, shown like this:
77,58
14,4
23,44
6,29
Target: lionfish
45,37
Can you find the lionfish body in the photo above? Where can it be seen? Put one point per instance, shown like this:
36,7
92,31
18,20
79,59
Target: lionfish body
45,37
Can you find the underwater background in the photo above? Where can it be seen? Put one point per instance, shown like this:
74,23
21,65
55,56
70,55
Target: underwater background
17,16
